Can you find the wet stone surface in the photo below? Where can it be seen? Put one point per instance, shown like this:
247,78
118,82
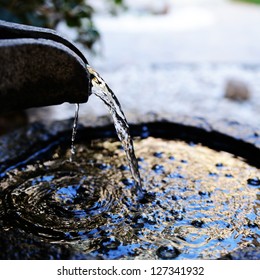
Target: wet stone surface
203,204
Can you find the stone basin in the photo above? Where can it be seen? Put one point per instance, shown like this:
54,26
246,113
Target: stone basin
205,179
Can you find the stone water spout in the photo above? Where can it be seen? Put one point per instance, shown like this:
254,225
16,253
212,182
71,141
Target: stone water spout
39,68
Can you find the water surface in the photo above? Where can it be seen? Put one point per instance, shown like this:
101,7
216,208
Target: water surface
206,202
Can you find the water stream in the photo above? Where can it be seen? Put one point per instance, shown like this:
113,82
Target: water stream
102,90
74,132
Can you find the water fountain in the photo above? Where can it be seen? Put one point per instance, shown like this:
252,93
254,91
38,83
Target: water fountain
204,179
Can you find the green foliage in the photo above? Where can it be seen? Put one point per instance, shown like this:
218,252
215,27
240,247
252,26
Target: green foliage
48,13
251,1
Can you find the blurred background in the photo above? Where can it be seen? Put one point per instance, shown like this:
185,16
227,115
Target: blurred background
190,57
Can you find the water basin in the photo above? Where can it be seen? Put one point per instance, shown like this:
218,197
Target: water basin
204,185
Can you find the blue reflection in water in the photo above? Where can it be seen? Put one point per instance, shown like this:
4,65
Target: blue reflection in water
46,178
67,193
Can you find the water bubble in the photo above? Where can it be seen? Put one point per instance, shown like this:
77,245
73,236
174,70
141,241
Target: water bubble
167,252
175,175
109,243
124,167
175,197
128,182
103,166
213,174
255,182
159,169
203,193
158,154
178,216
197,223
251,224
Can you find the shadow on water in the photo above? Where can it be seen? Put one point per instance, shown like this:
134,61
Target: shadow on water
205,204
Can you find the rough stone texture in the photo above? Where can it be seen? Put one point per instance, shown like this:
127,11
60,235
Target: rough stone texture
12,120
23,143
10,30
231,129
39,71
232,137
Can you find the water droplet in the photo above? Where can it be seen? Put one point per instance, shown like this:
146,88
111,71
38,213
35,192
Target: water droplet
128,182
197,223
109,243
203,193
158,154
177,215
159,169
103,166
252,225
140,159
213,174
167,252
123,167
175,197
175,175
255,182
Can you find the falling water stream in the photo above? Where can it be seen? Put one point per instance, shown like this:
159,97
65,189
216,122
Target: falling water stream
206,202
102,90
74,132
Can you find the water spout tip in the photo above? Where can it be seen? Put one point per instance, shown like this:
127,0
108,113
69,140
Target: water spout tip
39,68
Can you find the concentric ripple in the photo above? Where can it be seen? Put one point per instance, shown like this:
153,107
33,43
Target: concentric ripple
58,201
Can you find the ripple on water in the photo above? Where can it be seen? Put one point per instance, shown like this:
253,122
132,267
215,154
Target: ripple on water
192,213
58,201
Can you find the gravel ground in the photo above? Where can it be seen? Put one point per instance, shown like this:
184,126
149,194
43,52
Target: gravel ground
178,62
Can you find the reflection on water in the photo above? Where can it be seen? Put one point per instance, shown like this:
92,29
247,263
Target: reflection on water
206,202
